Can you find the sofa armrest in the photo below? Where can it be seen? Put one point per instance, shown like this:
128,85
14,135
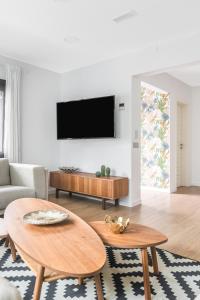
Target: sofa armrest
32,176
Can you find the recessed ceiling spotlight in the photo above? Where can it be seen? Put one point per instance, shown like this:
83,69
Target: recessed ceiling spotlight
71,39
125,16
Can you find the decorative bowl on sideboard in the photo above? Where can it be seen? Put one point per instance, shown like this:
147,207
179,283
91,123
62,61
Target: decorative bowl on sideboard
69,169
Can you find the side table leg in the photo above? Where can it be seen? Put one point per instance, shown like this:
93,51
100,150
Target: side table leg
98,287
12,249
38,283
145,264
154,260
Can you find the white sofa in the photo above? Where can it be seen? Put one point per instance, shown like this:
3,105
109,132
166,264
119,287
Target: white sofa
21,181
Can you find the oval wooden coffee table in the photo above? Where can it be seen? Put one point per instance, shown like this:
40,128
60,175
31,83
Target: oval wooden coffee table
71,248
135,236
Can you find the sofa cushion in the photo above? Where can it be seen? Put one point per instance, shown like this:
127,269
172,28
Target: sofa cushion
4,171
8,193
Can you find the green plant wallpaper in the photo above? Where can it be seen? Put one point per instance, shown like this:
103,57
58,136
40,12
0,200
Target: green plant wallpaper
154,138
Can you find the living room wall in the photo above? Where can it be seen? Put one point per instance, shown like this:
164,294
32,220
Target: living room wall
39,91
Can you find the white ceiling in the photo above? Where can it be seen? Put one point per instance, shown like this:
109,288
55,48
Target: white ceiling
189,74
61,35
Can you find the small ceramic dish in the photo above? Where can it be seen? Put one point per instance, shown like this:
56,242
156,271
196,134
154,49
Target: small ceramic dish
45,217
117,224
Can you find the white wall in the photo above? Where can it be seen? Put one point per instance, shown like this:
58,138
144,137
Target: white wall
195,127
39,91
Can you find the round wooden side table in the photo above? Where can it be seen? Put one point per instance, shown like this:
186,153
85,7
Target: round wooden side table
135,236
8,242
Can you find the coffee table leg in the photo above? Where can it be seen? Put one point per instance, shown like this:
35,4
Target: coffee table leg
38,283
99,287
154,260
12,248
7,241
80,280
145,264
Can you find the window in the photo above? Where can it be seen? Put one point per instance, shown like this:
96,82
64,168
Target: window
2,108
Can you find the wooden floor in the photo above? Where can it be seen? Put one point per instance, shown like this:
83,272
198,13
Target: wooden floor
176,215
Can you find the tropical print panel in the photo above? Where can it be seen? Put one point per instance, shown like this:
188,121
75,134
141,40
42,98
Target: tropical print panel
154,138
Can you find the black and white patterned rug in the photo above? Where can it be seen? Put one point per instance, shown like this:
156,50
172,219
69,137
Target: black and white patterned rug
122,278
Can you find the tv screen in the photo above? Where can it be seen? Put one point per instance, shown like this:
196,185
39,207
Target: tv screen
89,118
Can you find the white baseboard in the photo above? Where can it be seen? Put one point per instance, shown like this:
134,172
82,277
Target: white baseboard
195,183
51,190
127,203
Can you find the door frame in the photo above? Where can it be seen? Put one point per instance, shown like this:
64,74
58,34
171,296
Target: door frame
185,177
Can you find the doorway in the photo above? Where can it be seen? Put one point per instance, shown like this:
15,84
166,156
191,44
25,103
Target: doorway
155,138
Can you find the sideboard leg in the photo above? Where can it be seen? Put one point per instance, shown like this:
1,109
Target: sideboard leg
57,193
117,202
70,194
103,204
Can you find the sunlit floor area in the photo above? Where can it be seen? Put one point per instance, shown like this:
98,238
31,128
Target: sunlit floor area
176,215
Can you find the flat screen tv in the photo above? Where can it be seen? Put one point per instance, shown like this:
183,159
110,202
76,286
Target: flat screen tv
88,118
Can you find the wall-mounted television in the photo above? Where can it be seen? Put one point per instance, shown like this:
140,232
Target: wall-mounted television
88,118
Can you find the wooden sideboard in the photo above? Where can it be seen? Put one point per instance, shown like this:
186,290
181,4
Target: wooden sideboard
106,188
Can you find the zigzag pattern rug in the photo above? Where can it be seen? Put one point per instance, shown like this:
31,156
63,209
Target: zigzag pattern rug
122,278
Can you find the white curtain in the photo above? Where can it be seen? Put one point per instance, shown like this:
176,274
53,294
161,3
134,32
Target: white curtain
12,128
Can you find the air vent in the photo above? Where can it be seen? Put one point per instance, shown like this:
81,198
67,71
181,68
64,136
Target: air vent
71,39
125,16
62,1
